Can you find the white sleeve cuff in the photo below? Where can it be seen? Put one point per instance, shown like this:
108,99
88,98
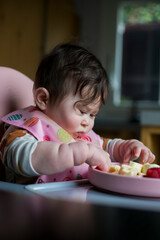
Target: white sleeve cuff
110,147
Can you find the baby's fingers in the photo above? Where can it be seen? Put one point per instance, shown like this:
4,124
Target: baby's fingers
99,158
131,154
147,156
105,165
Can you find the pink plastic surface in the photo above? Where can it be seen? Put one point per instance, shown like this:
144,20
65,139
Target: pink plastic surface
138,185
15,92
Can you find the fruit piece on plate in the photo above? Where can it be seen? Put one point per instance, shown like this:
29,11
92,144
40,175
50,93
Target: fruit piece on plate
128,170
153,172
137,166
147,166
114,169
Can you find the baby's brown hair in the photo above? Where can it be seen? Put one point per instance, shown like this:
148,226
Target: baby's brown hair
70,68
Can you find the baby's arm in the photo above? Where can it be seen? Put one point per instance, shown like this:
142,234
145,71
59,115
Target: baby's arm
51,157
125,150
26,156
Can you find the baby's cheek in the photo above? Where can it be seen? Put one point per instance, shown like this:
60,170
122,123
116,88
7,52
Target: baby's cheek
72,123
92,124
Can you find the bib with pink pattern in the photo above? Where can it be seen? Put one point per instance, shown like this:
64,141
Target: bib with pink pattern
45,129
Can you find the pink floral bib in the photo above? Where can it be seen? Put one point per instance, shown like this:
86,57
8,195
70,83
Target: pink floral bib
45,129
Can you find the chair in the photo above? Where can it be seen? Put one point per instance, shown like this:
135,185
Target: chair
15,93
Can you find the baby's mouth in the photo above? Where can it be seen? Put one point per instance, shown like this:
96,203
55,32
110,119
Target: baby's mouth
83,137
79,135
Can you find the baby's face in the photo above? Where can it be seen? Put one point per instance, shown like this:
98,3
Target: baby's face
73,115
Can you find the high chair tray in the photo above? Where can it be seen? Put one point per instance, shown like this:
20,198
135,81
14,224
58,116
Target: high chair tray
130,185
69,190
84,191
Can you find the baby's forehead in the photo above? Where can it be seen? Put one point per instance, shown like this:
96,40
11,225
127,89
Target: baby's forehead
79,100
95,104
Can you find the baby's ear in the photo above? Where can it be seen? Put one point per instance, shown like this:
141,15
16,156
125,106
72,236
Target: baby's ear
41,97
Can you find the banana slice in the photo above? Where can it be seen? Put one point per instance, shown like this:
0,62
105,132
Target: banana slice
137,166
114,169
146,166
128,170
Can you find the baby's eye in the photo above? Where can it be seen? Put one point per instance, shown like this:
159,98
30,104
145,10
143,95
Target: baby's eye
92,115
82,112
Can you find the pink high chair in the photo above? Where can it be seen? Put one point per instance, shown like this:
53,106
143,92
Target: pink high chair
15,93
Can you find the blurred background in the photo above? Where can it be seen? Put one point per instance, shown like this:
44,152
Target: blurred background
124,35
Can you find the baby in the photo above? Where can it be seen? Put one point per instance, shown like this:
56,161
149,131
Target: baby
54,140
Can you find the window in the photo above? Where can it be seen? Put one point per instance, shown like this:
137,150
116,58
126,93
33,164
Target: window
137,63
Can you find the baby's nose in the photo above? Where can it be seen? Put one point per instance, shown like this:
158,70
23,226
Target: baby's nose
85,122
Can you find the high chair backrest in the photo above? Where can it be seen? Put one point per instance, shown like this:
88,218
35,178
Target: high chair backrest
15,93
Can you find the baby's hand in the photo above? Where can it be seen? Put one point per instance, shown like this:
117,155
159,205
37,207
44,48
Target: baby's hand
135,149
99,158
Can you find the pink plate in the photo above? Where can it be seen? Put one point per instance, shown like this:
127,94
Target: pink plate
138,185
